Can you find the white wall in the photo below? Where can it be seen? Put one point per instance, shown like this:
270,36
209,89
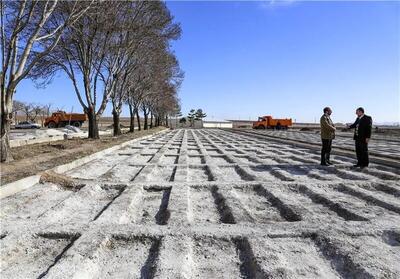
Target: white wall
217,124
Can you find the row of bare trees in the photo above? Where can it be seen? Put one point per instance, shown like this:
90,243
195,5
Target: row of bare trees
116,51
31,111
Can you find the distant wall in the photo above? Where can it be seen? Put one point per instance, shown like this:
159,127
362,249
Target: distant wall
244,124
216,124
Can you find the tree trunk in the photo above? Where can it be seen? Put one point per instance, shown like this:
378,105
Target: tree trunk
132,122
166,120
146,126
116,123
6,155
93,125
151,120
138,120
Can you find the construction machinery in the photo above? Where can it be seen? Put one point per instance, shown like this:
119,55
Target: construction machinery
267,122
61,118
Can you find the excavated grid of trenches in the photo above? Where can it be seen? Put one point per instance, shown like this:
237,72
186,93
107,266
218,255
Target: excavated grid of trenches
387,146
207,204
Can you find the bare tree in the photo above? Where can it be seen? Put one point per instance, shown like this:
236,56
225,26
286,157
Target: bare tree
31,110
17,106
47,109
121,60
133,99
27,36
26,108
44,112
35,111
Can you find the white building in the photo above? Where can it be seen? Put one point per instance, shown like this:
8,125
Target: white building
217,124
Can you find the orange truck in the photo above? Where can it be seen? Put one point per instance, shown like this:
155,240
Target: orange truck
61,118
267,122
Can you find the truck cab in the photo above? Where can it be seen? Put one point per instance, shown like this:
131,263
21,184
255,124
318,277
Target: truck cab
267,122
261,123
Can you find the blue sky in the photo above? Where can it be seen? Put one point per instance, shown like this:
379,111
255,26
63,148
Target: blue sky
287,59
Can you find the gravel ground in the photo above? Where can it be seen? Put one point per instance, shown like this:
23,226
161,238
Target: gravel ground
207,204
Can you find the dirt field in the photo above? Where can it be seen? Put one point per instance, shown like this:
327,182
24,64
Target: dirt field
207,204
31,159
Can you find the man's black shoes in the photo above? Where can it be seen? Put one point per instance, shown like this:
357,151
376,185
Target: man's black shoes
359,166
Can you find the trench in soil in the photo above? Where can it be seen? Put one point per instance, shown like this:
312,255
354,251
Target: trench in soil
200,173
85,205
169,159
331,205
391,238
152,206
387,189
249,206
36,255
249,267
122,257
286,212
224,210
234,173
220,159
340,260
196,160
369,199
120,191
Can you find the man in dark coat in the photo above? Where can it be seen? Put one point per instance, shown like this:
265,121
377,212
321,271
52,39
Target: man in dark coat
327,135
362,134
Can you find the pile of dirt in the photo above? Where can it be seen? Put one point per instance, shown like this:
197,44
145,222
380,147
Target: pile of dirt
64,181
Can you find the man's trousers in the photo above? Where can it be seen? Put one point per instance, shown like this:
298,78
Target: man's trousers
362,153
326,150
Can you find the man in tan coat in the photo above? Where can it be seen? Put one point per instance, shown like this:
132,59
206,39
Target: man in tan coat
327,135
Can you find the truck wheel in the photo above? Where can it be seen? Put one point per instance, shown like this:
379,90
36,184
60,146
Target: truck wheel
52,124
262,127
76,124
